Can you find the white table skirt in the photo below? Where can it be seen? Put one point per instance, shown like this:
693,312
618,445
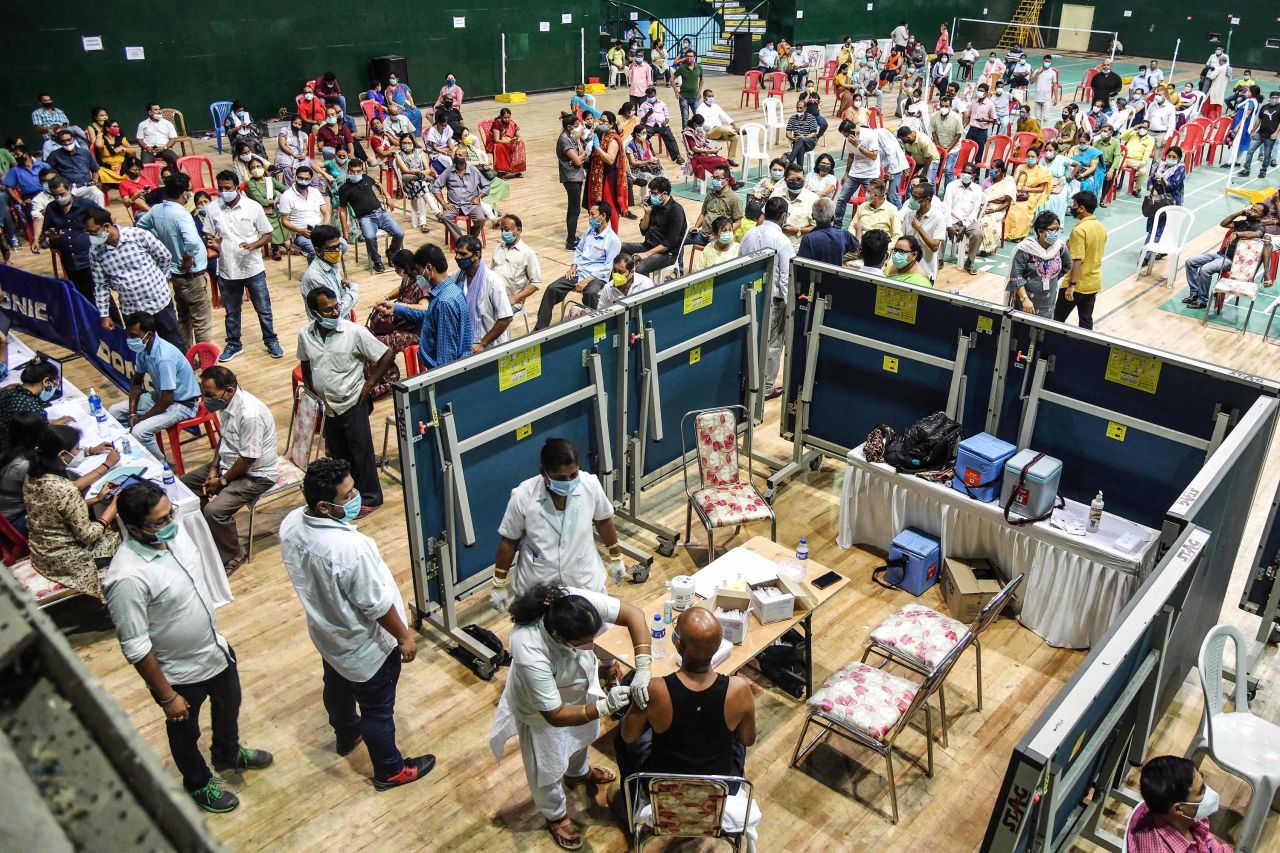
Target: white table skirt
1075,586
186,504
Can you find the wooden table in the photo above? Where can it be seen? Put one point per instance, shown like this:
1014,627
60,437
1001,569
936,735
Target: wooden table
759,637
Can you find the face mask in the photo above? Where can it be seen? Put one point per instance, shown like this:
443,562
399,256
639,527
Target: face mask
563,488
166,534
795,184
1159,99
229,196
68,146
966,179
459,162
710,101
408,149
350,509
215,404
136,344
328,322
393,81
1052,234
1208,806
257,173
716,184
901,260
46,394
777,174
913,204
725,238
465,264
619,280
981,97
858,103
302,185
76,458
155,117
1171,161
944,111
1104,136
356,177
246,157
1049,155
651,100
594,225
1142,131
204,208
508,237
100,238
308,96
66,200
114,131
331,120
451,83
655,199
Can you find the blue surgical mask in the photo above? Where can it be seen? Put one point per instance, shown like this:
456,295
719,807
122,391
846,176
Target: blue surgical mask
776,174
655,199
46,394
167,533
914,204
355,179
136,344
563,488
725,237
1053,234
508,237
351,509
715,184
464,264
594,225
900,259
328,322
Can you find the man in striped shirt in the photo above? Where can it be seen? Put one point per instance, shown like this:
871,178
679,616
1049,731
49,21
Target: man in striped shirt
134,264
802,132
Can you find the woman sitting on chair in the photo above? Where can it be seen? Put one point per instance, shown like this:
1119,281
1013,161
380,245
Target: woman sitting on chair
134,187
703,156
111,148
508,147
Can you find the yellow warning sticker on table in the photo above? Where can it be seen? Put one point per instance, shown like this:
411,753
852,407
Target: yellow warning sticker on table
698,295
758,284
519,366
1133,369
896,304
695,355
524,431
1116,431
984,324
890,364
598,333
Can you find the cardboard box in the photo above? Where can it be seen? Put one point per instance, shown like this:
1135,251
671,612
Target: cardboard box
967,585
735,628
806,600
775,609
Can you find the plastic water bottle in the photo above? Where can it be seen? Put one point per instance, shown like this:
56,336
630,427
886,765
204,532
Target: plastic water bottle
126,446
658,637
1095,515
802,551
168,475
95,407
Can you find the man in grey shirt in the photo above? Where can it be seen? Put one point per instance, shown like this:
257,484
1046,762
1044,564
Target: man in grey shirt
460,191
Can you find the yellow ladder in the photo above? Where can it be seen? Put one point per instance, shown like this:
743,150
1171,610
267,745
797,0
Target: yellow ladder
1024,31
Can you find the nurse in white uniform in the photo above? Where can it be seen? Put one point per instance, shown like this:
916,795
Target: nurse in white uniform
547,533
553,700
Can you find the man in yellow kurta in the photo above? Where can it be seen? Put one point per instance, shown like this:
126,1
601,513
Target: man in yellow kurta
1139,144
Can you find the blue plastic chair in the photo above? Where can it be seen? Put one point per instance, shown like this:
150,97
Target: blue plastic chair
219,110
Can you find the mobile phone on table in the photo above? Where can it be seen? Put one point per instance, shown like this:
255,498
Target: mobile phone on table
826,580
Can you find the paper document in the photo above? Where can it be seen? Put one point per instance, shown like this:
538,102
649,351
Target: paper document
740,561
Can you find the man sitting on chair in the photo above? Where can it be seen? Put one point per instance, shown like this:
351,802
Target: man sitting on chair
697,721
1175,809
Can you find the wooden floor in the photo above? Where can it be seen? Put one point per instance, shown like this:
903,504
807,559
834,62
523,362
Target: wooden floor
313,800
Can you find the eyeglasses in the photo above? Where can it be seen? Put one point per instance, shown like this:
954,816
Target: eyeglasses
156,525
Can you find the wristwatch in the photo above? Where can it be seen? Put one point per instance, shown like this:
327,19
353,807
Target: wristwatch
223,481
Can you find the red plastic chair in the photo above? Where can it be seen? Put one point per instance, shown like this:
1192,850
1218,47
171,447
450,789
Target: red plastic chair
942,162
1084,89
411,365
370,108
196,166
1192,145
151,172
1217,137
828,75
1127,168
13,545
904,185
875,118
1048,134
463,221
998,148
1175,138
485,128
750,88
1022,143
968,152
777,81
200,356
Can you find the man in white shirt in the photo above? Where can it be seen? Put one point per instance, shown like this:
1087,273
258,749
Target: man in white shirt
926,219
719,126
516,263
244,466
862,165
900,36
1043,83
768,235
894,161
799,200
237,228
156,136
397,123
486,293
1162,116
355,617
968,56
1121,116
1154,75
334,353
163,610
768,58
964,202
624,282
302,207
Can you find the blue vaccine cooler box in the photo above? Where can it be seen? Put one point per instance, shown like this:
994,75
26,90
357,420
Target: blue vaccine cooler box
980,466
913,561
1039,489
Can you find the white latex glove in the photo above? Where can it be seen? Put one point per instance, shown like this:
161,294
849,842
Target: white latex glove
617,571
640,681
618,698
500,598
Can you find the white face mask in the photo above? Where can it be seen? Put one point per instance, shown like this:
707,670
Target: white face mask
1207,807
944,111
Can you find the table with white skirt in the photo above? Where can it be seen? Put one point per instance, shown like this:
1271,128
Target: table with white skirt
186,504
1075,586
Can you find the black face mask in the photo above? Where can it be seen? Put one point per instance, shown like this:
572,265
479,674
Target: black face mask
795,184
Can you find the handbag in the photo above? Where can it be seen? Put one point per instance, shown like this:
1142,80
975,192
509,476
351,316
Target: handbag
926,445
873,447
1154,202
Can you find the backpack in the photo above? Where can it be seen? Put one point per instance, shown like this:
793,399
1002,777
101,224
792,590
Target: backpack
926,445
484,669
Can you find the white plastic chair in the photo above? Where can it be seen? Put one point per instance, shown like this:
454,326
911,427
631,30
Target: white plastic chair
773,119
753,147
1240,743
1177,222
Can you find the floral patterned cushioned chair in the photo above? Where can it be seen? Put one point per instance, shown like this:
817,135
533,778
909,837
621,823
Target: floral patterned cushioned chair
723,498
305,426
871,708
683,806
1239,281
918,638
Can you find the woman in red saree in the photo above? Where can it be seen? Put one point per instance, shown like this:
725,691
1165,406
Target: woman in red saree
508,147
607,174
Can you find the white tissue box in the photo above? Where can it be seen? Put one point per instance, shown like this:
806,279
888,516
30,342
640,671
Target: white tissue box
770,602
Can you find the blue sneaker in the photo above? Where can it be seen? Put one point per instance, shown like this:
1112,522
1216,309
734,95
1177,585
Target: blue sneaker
273,347
231,352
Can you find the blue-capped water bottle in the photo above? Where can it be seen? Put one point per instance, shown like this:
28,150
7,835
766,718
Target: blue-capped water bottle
802,550
95,407
658,637
168,475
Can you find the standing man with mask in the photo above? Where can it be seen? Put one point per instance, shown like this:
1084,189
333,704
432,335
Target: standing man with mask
189,260
362,197
163,610
1162,117
355,617
176,393
334,352
64,232
1106,84
686,82
156,136
641,78
768,235
486,293
244,465
1044,81
516,263
662,226
237,232
982,115
946,128
134,264
1264,136
444,326
1087,244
